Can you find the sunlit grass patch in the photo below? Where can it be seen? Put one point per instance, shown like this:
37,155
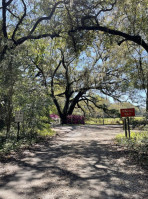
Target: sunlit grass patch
133,135
136,122
104,121
46,132
139,118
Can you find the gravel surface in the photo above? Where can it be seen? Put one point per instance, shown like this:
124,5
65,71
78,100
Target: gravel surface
80,163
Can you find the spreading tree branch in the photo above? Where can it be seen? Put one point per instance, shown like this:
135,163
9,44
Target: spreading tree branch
20,21
45,18
21,40
9,2
79,106
107,9
41,71
52,89
12,13
4,27
135,38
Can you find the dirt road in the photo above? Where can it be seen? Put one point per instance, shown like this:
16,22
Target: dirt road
81,163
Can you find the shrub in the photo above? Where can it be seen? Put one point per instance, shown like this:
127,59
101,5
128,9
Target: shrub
75,119
53,116
137,145
55,119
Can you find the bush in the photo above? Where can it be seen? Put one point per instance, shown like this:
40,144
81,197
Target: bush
53,116
75,119
55,119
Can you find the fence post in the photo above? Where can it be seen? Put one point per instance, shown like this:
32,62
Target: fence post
103,120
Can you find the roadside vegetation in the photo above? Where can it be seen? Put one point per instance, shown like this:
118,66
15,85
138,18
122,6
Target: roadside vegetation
26,139
135,122
104,121
40,130
137,145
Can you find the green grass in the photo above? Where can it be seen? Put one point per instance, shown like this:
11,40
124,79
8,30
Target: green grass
134,135
104,121
137,145
46,131
111,120
139,118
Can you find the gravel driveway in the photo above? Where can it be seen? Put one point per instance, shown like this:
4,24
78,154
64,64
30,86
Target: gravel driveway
80,163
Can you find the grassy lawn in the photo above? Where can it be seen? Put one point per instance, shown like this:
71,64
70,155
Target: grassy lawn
104,121
110,120
139,118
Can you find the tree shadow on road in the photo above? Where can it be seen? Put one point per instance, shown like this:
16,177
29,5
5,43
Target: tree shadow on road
86,169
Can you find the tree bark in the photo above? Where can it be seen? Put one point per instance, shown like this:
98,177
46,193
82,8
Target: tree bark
74,102
64,118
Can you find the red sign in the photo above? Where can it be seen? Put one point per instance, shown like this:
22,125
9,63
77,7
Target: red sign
127,112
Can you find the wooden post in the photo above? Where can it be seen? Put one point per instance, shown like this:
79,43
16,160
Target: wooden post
23,128
123,124
128,122
125,127
18,131
103,120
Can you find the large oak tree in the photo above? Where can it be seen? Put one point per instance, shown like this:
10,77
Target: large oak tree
71,80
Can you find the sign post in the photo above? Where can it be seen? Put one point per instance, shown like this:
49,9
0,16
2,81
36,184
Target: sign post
125,127
18,119
128,112
128,123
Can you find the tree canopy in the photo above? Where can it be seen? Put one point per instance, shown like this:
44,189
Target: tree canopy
127,20
24,20
70,50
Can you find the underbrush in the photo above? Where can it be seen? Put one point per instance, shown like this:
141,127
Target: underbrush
25,139
137,146
140,124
